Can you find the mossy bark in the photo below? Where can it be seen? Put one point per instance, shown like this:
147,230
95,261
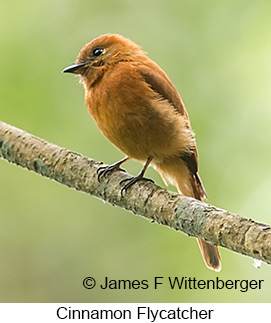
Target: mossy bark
181,213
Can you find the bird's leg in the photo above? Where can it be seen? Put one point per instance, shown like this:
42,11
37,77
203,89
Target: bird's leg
132,180
102,170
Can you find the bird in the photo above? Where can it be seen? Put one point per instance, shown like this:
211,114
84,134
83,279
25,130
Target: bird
139,110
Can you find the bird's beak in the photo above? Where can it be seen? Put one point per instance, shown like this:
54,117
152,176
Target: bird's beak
74,68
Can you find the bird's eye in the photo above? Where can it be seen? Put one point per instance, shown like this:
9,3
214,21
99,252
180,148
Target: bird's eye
97,51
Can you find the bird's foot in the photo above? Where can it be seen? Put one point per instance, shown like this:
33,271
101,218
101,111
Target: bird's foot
131,181
103,170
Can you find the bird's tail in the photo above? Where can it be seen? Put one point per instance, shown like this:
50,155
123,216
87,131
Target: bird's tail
190,185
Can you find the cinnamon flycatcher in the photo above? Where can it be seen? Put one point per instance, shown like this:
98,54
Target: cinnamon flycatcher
138,109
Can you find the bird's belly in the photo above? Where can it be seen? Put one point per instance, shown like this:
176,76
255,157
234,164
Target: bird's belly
146,133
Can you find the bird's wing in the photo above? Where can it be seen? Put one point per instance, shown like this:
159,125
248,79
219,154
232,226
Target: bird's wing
161,84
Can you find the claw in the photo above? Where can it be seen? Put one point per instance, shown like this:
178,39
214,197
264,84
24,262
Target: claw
103,170
132,181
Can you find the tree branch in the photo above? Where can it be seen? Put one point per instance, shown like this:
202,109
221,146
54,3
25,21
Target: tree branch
191,216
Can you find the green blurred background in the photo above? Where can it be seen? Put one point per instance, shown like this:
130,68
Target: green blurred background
217,53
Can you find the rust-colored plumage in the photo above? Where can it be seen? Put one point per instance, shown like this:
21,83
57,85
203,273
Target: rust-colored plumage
138,109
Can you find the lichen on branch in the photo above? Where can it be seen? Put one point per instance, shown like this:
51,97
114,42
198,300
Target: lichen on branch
181,213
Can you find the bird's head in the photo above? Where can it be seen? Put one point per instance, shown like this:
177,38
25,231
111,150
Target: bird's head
101,53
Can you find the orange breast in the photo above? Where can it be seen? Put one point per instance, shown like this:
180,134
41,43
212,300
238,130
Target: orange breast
134,118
